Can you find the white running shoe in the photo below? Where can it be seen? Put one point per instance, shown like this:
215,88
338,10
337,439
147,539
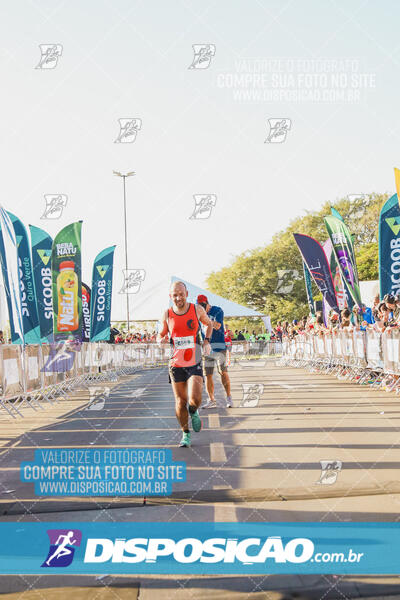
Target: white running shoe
229,403
210,404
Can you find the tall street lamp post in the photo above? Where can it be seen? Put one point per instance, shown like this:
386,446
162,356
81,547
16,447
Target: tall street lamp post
126,240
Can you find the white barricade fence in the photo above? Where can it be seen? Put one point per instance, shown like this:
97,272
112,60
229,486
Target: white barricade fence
362,356
240,349
32,374
35,373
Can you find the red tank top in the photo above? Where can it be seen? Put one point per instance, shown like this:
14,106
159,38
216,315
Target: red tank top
185,337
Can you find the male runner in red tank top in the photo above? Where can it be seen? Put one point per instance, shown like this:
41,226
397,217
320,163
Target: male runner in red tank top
181,322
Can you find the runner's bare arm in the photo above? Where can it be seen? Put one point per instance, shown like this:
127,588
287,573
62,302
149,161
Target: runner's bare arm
162,336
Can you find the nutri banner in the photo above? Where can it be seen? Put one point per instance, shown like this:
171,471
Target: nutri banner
67,283
30,319
41,263
10,270
389,247
314,256
308,282
100,304
85,313
344,252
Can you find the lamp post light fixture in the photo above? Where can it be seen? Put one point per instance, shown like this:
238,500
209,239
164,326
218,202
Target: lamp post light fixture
118,174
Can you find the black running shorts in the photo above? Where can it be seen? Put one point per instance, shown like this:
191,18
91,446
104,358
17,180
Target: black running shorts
179,374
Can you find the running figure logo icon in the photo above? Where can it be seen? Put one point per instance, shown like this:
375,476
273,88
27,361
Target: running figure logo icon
251,394
286,279
203,54
55,204
128,129
278,129
133,279
329,471
203,205
61,357
97,397
50,53
62,547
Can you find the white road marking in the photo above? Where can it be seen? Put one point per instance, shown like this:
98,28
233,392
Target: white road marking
224,513
96,404
213,422
217,452
284,385
137,393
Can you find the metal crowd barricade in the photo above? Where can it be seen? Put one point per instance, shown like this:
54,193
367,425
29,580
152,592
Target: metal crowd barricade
11,378
319,347
360,370
49,379
33,375
29,375
391,359
366,357
301,353
375,357
345,338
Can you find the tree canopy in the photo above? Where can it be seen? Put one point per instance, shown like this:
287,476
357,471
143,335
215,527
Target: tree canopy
252,277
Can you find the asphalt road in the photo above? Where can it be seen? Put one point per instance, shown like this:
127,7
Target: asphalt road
258,461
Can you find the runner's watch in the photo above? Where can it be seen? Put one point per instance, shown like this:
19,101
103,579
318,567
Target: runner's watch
207,339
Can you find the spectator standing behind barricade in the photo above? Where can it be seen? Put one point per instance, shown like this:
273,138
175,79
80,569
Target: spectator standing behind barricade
362,317
333,321
240,337
319,325
391,304
228,342
381,318
346,323
1,337
311,325
113,333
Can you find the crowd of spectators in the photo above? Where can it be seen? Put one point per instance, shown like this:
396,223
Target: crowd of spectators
382,315
244,335
146,337
138,337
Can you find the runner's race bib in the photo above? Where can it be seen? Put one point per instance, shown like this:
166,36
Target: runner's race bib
181,343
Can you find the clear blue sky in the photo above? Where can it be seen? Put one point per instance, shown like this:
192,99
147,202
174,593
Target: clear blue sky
130,59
